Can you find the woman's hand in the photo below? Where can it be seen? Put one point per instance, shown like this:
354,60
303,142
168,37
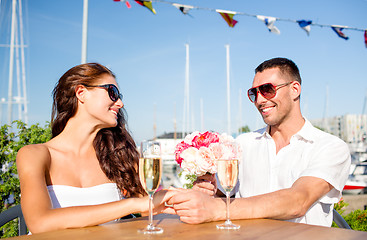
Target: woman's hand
195,207
206,184
159,200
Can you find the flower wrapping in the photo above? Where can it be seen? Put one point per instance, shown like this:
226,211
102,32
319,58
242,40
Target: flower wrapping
198,152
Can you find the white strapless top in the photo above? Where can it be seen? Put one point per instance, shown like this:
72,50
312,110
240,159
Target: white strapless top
68,196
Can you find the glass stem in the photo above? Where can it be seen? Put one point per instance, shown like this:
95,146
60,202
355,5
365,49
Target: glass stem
227,203
150,211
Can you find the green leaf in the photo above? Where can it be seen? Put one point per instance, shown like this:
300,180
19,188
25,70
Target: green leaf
11,140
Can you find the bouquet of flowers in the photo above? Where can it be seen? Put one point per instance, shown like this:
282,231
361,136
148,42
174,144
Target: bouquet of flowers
198,152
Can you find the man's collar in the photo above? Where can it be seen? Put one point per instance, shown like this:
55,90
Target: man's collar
305,133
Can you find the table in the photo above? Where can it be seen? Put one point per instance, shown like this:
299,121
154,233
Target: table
175,229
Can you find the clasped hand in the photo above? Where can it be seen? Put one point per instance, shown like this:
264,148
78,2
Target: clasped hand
196,205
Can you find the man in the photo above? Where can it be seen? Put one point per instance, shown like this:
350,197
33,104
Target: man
289,170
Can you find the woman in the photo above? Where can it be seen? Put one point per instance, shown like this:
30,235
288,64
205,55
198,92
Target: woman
78,178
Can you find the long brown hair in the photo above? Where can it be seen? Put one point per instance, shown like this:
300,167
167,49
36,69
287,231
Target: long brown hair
115,148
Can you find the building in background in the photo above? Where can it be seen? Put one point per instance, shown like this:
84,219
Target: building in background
168,144
351,128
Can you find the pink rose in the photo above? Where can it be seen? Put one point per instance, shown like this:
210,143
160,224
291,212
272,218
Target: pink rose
224,150
179,148
205,139
208,156
193,162
229,152
217,150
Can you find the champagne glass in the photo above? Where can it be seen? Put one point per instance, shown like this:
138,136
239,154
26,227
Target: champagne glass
150,171
227,172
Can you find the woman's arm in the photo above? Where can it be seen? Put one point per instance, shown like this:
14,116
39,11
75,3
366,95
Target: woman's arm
33,162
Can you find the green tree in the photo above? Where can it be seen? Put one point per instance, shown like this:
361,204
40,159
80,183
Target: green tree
357,219
10,143
244,129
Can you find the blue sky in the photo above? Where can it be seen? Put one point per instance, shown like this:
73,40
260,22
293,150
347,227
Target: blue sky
147,54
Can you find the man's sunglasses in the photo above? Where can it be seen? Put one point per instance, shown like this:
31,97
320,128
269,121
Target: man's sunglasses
112,90
266,90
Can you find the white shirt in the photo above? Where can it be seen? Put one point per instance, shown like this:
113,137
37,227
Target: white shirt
311,152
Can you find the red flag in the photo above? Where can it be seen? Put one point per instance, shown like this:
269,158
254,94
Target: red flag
228,17
365,37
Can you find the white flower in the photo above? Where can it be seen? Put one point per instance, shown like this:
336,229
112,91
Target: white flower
189,155
228,152
225,138
194,163
208,163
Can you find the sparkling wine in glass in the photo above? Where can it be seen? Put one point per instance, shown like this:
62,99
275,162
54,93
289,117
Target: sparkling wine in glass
150,172
227,172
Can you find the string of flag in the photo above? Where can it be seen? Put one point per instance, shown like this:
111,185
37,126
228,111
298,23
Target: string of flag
269,21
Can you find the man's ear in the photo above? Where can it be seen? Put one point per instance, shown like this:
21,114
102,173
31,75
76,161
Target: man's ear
296,90
80,92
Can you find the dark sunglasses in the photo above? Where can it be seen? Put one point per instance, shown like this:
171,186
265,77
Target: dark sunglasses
266,90
112,90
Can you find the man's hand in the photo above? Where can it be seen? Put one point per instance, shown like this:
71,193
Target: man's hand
195,206
206,184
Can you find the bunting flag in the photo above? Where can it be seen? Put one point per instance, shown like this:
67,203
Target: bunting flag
183,8
305,25
228,17
126,2
269,22
339,31
147,4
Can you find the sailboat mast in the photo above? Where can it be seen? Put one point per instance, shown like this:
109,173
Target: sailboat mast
186,109
202,115
188,86
228,94
84,31
16,44
11,62
155,122
325,120
18,99
240,111
24,85
175,123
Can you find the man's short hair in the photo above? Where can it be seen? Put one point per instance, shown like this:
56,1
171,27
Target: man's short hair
287,67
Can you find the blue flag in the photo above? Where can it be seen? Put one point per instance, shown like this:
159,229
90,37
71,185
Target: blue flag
339,31
305,25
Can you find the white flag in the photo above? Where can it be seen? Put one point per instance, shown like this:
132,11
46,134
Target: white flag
183,8
269,22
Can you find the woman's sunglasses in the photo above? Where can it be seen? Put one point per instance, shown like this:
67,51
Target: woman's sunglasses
112,90
266,90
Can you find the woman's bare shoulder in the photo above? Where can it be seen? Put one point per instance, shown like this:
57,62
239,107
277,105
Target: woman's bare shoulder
33,152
